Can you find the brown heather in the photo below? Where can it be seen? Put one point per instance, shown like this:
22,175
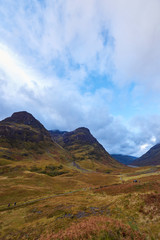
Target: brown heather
99,227
151,206
130,187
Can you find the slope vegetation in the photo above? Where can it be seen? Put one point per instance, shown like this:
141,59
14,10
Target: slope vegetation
23,138
150,158
86,150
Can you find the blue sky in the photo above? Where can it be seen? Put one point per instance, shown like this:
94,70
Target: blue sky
75,63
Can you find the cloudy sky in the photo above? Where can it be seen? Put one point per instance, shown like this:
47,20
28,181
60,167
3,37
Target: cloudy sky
93,63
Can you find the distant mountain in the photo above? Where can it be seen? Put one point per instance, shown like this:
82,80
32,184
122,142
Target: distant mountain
125,159
56,133
152,157
84,147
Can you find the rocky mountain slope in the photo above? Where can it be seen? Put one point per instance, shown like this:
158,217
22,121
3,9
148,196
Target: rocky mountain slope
84,147
20,128
152,157
22,137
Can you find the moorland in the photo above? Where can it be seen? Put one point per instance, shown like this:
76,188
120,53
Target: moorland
67,186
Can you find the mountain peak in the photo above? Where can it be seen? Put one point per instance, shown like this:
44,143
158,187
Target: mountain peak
82,129
21,113
25,118
22,129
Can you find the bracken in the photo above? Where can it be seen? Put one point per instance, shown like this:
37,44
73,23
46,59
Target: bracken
99,227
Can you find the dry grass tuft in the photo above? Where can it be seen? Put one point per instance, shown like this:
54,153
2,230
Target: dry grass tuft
152,205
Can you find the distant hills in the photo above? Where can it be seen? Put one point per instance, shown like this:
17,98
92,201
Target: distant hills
125,159
152,157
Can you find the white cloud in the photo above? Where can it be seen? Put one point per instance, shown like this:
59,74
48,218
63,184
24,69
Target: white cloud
144,146
14,75
135,27
67,29
49,48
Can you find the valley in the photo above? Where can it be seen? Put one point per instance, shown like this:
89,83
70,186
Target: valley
71,188
48,205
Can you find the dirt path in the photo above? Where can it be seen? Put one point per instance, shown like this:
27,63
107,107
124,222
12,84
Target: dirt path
78,167
6,208
37,200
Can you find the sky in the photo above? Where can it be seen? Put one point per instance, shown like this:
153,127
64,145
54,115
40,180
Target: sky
94,63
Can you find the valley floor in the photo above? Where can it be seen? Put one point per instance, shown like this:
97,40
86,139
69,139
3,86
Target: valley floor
80,205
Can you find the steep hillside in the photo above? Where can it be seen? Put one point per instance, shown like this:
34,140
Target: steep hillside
84,147
22,128
46,194
152,157
23,137
125,159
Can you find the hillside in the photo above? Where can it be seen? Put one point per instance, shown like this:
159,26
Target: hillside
22,128
125,159
152,157
24,138
48,194
84,147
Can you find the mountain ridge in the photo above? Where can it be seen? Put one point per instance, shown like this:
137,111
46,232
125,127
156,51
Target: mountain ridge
28,138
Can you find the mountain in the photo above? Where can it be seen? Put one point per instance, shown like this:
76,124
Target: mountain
152,157
21,129
22,137
84,147
25,118
125,159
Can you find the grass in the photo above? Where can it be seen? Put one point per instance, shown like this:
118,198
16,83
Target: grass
124,209
99,227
